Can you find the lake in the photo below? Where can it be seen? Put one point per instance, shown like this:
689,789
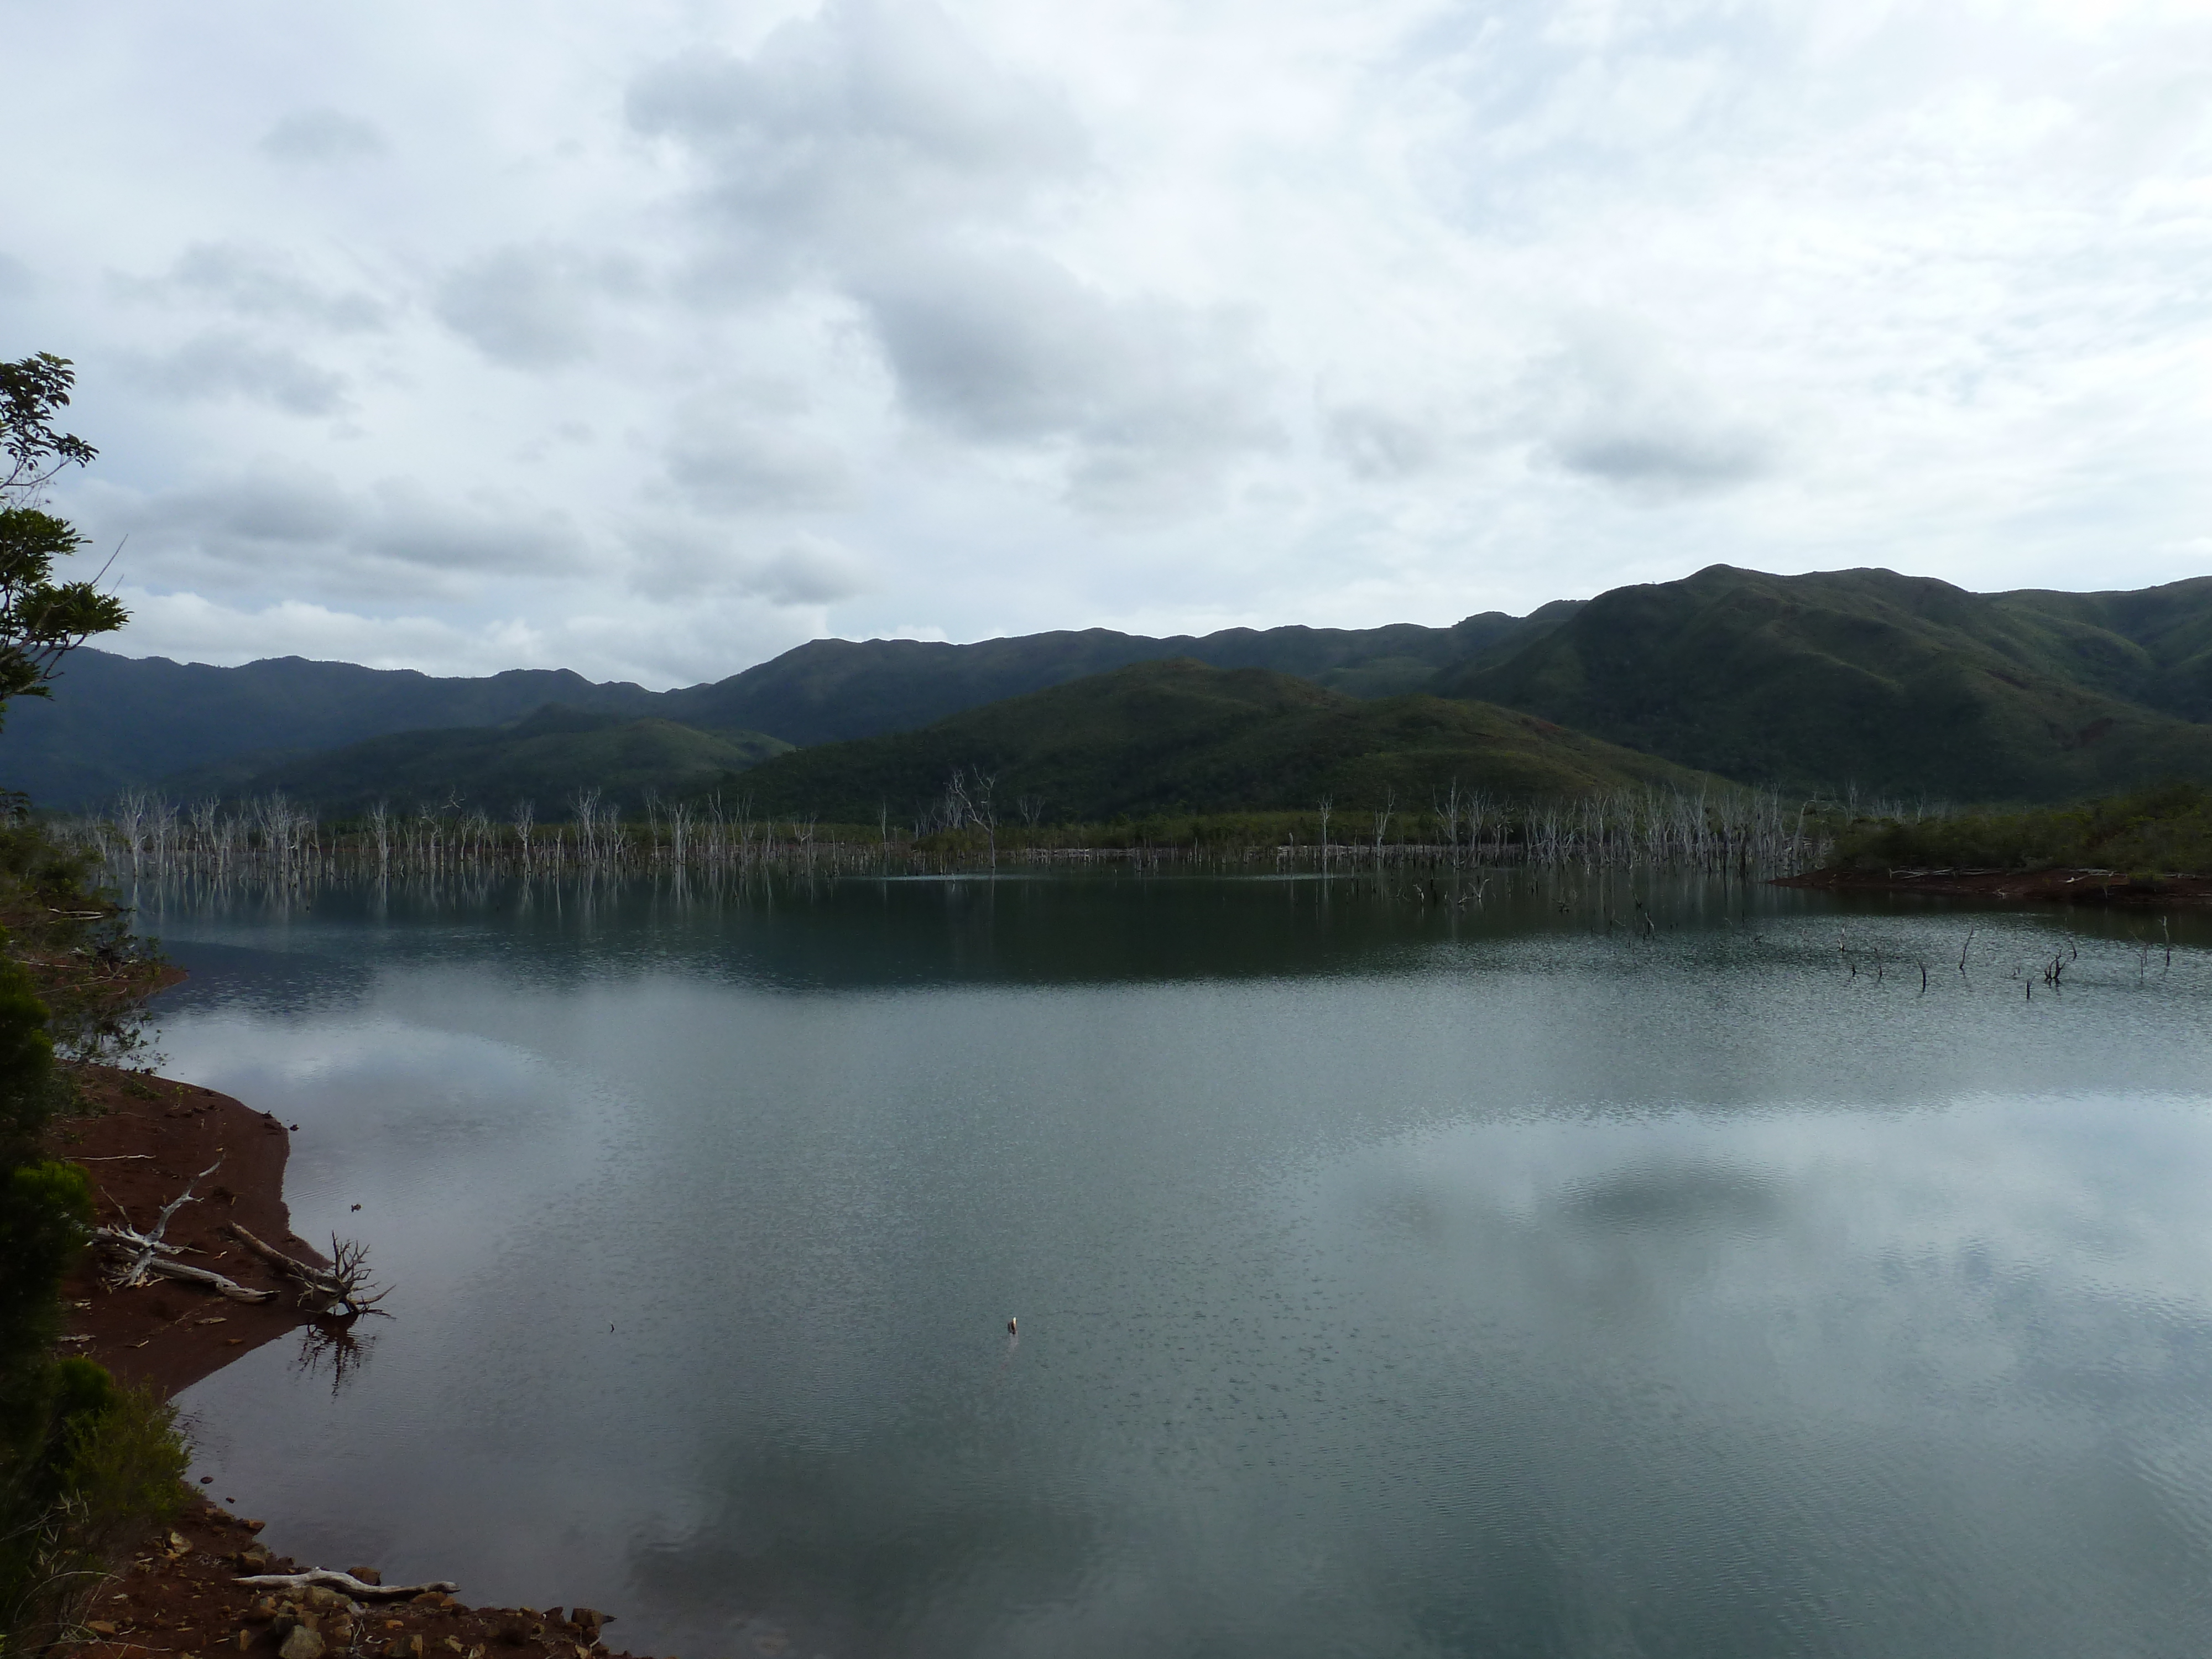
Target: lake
1605,1266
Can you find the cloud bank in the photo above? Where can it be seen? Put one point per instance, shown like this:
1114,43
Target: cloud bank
654,344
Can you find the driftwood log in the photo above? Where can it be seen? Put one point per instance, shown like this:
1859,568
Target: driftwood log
134,1257
343,1285
343,1581
126,1248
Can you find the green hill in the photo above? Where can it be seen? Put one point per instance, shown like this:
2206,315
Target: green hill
123,722
830,690
2152,646
1898,684
1162,736
544,759
116,723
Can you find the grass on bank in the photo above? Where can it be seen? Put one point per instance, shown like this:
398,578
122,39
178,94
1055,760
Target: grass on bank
2162,831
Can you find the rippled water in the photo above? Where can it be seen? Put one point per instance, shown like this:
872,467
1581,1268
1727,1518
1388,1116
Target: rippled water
1530,1278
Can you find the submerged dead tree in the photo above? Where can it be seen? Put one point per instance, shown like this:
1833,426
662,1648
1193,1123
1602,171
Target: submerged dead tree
342,1288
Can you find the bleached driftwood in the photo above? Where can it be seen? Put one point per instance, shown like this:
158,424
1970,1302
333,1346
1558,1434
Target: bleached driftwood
343,1581
344,1284
136,1253
127,1248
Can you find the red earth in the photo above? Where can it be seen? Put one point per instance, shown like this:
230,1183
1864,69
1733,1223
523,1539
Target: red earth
143,1139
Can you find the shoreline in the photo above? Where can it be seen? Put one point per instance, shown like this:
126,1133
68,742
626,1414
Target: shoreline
2109,887
181,1593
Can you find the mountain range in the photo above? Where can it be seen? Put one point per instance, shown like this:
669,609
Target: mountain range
1895,684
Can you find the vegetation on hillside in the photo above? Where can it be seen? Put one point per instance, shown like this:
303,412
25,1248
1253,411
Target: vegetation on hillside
831,691
130,723
2162,831
138,723
1898,685
1894,684
1178,735
84,1464
546,760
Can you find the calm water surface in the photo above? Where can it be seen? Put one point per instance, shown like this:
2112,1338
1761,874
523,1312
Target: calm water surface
1529,1279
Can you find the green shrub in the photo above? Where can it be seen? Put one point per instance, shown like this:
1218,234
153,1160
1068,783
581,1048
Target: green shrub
109,1464
2167,830
85,1464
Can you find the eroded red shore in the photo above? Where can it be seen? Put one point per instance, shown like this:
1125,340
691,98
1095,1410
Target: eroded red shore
146,1138
180,1594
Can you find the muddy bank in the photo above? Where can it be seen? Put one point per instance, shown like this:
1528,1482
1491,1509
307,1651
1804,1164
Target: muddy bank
2018,886
179,1594
145,1139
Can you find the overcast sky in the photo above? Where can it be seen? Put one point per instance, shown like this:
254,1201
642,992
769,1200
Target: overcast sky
652,339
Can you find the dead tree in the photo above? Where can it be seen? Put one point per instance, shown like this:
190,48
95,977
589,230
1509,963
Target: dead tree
343,1287
133,1257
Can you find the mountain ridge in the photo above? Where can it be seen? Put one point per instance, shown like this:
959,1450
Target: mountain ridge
1897,684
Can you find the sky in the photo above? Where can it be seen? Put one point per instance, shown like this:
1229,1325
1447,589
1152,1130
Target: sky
652,340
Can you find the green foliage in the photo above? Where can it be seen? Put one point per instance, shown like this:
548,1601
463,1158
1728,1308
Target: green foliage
26,1056
108,1465
1176,737
831,691
2164,831
40,619
31,390
1898,685
129,723
75,942
544,760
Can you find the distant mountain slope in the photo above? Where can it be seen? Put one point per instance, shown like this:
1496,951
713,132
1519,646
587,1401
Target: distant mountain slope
116,722
836,689
2170,628
544,759
1900,684
1162,735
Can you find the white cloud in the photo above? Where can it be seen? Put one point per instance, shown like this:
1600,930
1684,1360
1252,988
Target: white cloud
870,125
533,307
304,533
213,366
735,466
263,285
321,136
669,337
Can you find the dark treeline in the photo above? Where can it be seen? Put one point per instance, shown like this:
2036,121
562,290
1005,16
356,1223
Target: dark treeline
85,1464
2163,831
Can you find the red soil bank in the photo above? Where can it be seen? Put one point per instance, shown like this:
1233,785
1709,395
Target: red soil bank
179,1594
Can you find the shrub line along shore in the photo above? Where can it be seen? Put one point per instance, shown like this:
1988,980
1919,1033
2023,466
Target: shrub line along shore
180,1594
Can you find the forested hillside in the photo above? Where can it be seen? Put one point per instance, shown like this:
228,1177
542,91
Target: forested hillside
1162,736
1895,685
543,760
1898,684
126,721
137,721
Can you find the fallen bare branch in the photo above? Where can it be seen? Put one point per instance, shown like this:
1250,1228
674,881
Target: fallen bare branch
108,1241
346,1582
141,1249
344,1284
